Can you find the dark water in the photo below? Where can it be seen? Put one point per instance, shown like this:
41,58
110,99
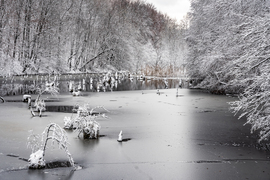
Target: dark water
85,82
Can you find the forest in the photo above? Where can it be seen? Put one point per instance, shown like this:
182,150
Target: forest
60,36
229,52
229,43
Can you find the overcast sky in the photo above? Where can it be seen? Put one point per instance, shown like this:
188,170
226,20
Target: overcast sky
176,9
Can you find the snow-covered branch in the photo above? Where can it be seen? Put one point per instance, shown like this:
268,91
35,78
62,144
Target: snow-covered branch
54,133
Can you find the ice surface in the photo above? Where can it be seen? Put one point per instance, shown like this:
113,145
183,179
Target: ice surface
192,136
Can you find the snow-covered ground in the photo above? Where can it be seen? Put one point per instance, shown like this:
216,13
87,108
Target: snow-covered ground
192,136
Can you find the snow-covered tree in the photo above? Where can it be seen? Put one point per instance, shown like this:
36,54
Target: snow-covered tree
254,104
39,144
225,40
229,51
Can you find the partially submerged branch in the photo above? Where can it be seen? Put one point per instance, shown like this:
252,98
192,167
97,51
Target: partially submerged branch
54,133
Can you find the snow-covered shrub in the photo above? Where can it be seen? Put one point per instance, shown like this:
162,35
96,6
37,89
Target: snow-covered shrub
40,105
50,88
38,144
68,123
85,121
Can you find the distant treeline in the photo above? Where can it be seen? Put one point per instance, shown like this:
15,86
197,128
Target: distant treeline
45,36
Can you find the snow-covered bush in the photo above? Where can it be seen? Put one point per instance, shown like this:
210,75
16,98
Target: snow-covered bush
85,121
38,144
40,105
68,123
88,126
50,88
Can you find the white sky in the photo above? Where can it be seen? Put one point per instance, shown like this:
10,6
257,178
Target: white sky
175,9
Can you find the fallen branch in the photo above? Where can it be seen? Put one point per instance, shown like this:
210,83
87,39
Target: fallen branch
103,52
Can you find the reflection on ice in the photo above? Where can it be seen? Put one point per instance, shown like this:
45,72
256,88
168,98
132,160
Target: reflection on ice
76,83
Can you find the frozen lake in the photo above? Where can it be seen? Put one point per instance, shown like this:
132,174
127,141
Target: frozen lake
192,136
